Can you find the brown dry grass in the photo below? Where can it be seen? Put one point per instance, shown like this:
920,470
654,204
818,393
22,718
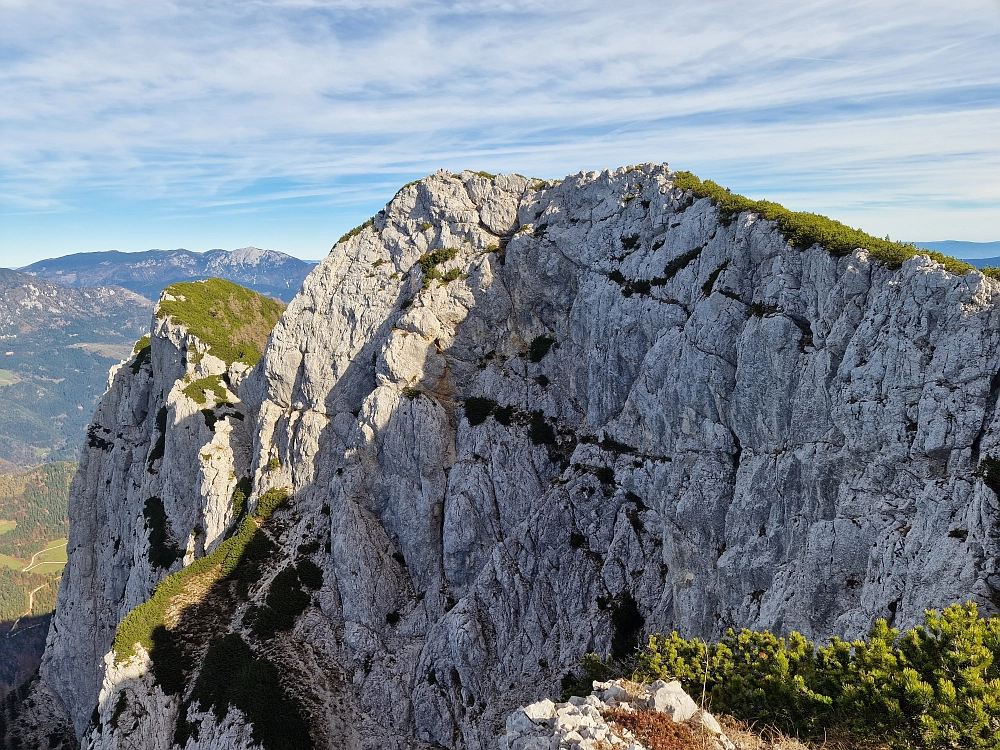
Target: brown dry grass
655,730
749,737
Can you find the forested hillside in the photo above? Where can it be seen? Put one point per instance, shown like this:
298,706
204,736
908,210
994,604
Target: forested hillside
56,347
33,532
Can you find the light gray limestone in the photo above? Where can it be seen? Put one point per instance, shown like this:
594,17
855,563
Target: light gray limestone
802,452
583,723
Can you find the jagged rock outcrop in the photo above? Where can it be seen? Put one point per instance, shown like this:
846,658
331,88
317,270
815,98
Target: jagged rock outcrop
595,721
519,422
154,489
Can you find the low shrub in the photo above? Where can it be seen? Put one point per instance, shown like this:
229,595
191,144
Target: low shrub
803,230
504,415
935,686
539,430
358,229
310,573
142,351
631,242
539,347
710,283
285,601
197,389
681,262
478,409
989,470
429,262
593,668
240,494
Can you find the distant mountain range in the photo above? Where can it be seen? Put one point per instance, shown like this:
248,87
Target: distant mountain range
147,273
57,343
976,253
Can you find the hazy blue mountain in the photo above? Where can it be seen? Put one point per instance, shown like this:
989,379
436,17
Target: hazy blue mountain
983,262
56,347
147,273
970,251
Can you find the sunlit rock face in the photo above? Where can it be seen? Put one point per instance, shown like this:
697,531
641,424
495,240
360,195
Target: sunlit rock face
520,421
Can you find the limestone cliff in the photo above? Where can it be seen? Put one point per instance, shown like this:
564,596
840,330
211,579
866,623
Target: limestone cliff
519,421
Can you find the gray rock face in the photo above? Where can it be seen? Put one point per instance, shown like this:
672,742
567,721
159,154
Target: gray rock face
676,423
148,439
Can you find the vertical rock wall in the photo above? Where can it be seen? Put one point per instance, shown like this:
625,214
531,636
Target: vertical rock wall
604,413
148,440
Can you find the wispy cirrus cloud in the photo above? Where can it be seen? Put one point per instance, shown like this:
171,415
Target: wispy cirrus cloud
883,114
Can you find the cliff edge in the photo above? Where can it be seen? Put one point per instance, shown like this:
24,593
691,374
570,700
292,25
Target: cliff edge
505,423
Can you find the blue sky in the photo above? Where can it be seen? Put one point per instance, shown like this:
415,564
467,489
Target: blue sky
282,123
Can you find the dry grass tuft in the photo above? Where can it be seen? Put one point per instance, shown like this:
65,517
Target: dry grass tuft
749,737
655,730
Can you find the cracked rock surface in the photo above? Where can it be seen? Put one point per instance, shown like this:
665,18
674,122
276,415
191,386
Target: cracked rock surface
606,413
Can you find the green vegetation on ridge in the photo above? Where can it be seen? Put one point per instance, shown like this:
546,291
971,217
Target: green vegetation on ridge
139,625
233,320
196,390
803,230
429,263
935,686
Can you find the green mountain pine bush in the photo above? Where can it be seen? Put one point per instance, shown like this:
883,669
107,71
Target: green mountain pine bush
935,686
233,320
803,230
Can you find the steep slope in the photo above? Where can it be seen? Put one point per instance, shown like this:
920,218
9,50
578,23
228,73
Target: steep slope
506,423
148,273
56,345
160,445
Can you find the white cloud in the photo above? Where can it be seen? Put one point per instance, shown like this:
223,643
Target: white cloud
822,104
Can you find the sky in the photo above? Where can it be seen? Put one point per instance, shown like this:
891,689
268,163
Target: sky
283,123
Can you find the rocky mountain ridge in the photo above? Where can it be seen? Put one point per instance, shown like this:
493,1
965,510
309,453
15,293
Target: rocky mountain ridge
516,422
